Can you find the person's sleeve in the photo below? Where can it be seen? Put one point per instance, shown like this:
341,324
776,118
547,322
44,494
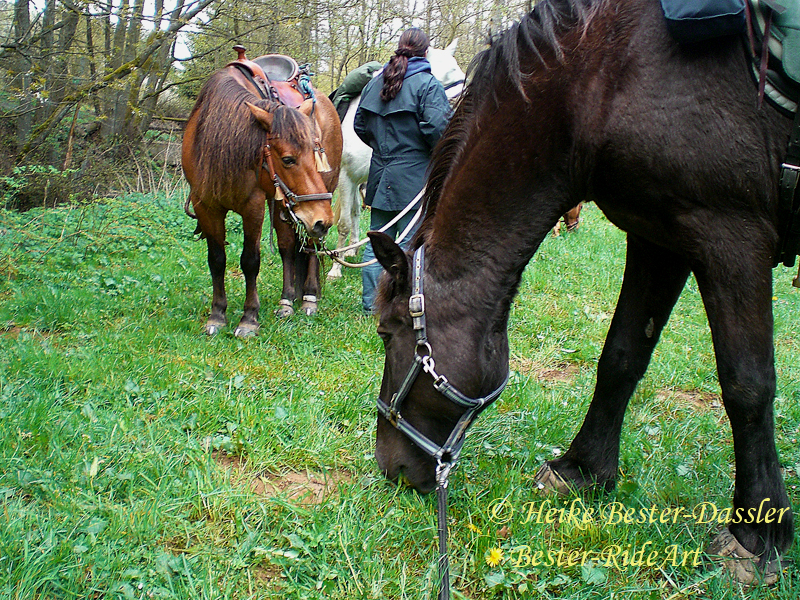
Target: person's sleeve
434,113
359,126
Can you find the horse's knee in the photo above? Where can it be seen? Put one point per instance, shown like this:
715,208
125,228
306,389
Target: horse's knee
747,390
250,261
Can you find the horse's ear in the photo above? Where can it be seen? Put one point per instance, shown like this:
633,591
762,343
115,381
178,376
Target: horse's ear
307,107
451,48
391,257
262,116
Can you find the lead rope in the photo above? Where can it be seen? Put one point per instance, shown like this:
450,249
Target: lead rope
442,472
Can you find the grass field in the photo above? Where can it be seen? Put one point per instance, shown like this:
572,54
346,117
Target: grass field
141,459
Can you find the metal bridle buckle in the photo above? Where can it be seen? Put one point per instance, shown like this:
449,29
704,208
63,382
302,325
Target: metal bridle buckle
416,306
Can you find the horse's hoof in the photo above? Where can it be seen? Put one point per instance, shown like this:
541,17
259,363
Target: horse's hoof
742,564
285,308
213,329
309,306
246,330
335,273
548,481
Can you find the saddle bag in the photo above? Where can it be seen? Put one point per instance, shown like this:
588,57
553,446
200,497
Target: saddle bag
692,21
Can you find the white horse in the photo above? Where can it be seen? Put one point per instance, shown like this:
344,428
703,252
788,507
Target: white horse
356,154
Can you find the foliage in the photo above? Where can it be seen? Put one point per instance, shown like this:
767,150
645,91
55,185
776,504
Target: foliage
141,459
125,65
31,185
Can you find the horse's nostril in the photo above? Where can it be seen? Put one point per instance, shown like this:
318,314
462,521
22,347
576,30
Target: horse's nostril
320,229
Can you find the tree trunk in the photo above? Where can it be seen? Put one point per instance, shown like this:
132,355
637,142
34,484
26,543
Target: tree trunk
21,78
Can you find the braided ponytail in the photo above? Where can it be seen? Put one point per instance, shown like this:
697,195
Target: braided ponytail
413,42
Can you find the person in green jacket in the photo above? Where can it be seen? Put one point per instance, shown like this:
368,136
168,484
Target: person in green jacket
352,85
402,114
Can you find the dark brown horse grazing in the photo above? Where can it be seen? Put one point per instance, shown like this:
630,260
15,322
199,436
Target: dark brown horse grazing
234,145
593,99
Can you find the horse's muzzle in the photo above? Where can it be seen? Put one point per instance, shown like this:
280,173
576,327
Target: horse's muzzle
319,229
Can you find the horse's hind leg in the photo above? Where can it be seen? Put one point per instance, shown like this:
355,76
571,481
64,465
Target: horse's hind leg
738,300
212,224
654,278
250,261
348,210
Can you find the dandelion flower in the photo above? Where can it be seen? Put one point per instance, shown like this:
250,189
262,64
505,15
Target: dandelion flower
473,529
495,557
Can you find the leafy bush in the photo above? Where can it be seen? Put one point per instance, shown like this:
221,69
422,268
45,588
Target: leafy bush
37,185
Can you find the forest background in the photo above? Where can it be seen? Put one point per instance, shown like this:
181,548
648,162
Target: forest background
93,94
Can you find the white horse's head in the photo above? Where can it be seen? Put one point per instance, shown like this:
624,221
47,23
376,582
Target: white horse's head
445,68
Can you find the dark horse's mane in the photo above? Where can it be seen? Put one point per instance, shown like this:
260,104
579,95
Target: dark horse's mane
229,140
538,33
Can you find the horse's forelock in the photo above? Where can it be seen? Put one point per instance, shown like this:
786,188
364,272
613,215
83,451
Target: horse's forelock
293,126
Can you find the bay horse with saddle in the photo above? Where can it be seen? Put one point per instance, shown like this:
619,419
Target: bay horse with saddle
681,146
260,139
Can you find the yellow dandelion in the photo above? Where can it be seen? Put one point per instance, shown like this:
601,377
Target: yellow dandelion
495,557
473,529
774,298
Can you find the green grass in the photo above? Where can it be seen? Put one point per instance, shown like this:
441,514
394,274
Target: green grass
119,421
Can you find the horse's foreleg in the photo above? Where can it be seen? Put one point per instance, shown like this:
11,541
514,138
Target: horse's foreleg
287,244
212,225
738,300
311,285
250,261
654,278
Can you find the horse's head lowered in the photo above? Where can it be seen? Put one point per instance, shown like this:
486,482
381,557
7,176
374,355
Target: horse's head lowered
429,394
291,165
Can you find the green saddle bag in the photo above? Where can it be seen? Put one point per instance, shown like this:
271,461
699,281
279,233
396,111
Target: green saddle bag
786,29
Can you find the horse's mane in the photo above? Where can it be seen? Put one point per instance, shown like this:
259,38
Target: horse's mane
229,140
538,34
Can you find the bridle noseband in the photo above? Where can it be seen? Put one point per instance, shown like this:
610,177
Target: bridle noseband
446,454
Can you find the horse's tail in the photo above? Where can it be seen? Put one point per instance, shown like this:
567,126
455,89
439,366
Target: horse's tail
186,208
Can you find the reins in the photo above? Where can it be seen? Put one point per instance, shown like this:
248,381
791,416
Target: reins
447,454
335,254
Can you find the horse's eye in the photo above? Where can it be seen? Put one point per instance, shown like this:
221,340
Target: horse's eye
289,161
384,335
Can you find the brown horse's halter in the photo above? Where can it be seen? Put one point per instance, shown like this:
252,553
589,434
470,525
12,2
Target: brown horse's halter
282,192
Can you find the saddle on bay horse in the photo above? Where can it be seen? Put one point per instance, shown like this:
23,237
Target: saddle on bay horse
278,77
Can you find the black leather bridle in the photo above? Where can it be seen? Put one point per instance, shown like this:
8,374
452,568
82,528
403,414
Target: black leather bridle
446,454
